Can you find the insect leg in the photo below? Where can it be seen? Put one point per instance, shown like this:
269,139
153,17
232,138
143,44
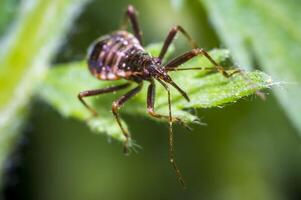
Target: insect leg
150,109
170,37
191,54
151,105
173,64
151,91
89,93
131,14
115,107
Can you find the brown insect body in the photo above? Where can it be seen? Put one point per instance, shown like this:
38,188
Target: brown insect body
120,55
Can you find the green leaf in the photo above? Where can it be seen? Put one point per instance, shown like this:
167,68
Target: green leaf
177,3
24,56
269,32
65,81
7,12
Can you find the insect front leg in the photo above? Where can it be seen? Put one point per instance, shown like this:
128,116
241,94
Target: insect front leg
151,106
89,93
176,62
151,91
115,107
170,37
131,14
150,109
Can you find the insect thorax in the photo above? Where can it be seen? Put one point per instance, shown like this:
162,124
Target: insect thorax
116,56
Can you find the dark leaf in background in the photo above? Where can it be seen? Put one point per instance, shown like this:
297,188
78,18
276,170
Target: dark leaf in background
270,32
25,54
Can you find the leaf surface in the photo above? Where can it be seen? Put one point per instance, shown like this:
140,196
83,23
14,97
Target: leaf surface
270,33
64,82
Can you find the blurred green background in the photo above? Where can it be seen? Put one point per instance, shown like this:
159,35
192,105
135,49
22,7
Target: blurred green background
247,150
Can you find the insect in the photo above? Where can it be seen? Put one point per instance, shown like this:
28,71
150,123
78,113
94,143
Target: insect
121,55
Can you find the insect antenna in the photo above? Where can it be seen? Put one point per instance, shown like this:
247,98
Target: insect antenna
171,148
191,68
179,89
167,79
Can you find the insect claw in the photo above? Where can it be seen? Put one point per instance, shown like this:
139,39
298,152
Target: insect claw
129,146
185,126
188,127
134,146
178,120
199,122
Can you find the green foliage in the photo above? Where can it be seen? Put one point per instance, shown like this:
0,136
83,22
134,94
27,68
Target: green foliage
7,12
269,32
231,157
64,82
24,57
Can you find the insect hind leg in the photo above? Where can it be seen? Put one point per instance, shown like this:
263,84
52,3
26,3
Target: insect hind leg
131,15
171,36
176,62
116,106
89,93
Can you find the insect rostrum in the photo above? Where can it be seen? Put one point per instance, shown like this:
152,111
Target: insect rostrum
121,55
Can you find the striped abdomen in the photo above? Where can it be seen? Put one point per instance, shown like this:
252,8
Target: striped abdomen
116,56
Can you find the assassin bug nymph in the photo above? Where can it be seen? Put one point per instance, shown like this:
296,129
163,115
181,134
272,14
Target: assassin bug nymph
121,55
